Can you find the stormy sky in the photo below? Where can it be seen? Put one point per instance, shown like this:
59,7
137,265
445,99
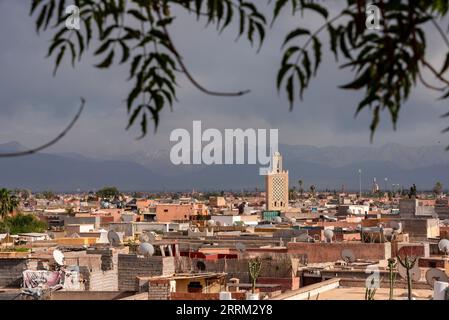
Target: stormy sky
35,106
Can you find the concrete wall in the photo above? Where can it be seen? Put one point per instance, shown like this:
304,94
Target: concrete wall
172,212
95,220
279,266
131,266
99,280
11,272
421,229
331,252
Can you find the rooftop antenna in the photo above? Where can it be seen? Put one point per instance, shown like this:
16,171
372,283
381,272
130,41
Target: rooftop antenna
443,245
145,249
59,257
348,255
114,238
328,234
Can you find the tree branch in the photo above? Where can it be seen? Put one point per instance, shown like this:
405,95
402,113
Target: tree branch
434,71
50,143
188,74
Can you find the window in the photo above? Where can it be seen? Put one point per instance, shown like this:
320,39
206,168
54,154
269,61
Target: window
165,210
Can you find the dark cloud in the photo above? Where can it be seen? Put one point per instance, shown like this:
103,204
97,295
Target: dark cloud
35,106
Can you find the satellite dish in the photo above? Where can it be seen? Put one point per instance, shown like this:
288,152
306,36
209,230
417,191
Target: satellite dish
434,274
397,226
146,249
114,238
348,255
240,247
415,272
211,223
443,245
277,219
59,257
304,238
328,234
293,220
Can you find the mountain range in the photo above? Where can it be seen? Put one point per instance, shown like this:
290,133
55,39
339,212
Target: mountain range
326,167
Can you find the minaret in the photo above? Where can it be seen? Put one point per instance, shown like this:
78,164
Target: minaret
375,188
277,185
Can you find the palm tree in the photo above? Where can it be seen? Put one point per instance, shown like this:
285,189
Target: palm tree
312,190
8,203
300,186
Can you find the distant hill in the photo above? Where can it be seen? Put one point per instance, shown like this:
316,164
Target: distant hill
328,167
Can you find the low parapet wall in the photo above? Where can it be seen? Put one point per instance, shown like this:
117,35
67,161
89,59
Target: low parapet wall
331,252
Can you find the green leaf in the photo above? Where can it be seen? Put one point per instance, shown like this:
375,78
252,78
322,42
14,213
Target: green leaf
103,47
288,53
80,43
295,33
307,65
50,11
358,83
134,65
126,51
59,59
133,95
41,18
54,45
34,5
143,125
134,116
73,51
445,65
106,62
317,8
88,26
155,114
375,121
277,8
290,91
137,14
229,15
318,54
334,39
282,73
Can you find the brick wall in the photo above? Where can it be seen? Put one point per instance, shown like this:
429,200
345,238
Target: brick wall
330,252
11,272
98,280
292,283
131,266
159,290
204,296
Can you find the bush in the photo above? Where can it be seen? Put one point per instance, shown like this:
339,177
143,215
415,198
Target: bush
22,223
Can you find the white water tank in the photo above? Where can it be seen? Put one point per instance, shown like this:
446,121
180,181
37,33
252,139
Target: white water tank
439,290
225,295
